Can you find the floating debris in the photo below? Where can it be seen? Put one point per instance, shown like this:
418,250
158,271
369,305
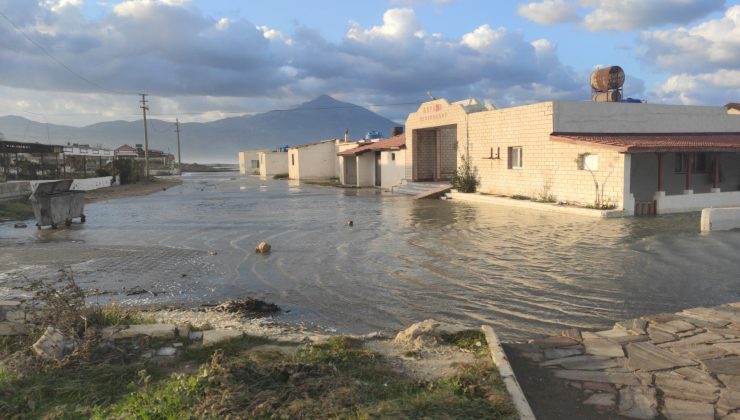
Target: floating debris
248,307
263,248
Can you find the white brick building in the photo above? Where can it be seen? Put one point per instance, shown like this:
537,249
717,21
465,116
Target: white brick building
653,158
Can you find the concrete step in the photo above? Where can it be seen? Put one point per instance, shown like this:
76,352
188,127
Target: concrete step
435,193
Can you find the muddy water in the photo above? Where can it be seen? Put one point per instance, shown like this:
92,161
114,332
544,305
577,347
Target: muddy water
522,271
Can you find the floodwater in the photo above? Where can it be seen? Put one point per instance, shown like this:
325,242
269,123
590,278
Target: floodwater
524,272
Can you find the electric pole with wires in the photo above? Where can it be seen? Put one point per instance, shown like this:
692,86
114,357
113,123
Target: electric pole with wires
144,109
179,160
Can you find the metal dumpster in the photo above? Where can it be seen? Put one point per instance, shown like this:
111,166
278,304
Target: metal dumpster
54,203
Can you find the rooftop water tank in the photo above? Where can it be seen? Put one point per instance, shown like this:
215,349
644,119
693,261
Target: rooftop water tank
607,78
373,135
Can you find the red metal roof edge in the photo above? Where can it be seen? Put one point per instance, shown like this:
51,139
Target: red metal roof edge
398,141
584,138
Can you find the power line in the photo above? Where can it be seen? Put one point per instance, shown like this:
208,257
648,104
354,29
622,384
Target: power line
295,109
56,60
69,114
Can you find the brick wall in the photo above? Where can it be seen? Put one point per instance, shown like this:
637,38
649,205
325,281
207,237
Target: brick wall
549,168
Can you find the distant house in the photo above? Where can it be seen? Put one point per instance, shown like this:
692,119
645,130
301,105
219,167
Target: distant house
273,163
155,156
249,161
313,160
378,164
733,108
126,151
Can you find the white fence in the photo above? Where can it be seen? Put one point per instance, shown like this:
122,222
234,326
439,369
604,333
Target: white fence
681,203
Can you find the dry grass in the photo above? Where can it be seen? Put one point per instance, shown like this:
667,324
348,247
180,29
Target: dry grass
20,209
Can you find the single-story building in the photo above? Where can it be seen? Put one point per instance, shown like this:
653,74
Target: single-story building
316,160
733,108
249,162
379,164
273,163
642,158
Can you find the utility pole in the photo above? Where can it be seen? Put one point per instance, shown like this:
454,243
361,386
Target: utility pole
144,109
179,160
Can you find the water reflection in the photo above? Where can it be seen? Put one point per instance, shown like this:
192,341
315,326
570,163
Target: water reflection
523,271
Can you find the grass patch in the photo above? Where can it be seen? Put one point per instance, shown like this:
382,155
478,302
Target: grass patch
67,392
113,315
280,176
249,377
20,209
470,340
242,378
168,399
520,197
604,206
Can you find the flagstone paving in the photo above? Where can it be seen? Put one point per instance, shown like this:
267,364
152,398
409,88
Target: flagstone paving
676,366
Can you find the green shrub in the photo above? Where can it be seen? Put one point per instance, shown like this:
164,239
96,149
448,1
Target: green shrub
465,179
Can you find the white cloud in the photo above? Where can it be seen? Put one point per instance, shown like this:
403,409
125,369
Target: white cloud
625,15
59,5
703,60
716,88
710,45
234,61
397,24
548,12
483,37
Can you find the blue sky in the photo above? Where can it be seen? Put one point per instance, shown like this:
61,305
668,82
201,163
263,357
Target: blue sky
204,60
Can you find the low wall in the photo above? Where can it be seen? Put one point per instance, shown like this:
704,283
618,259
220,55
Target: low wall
85,184
720,219
533,205
684,203
14,189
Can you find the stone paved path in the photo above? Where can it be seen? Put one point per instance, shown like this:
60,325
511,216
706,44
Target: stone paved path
680,366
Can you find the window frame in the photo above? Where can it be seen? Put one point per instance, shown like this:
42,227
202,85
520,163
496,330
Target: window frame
698,163
519,164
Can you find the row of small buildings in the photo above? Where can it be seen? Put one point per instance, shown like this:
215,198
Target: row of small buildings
359,163
636,157
60,159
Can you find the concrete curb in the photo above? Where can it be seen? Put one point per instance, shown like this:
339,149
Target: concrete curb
507,374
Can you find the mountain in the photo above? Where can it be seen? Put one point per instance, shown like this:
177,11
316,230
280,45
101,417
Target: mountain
216,141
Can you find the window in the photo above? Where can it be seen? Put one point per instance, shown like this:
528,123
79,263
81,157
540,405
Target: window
698,163
292,160
515,157
255,164
588,162
393,156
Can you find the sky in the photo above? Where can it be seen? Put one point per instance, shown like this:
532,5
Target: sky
78,62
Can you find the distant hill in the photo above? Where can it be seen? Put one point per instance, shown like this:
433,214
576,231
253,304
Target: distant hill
216,141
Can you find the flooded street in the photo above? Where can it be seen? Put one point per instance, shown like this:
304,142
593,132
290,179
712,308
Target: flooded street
524,272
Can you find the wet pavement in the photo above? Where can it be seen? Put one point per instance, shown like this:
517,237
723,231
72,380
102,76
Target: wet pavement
683,365
523,272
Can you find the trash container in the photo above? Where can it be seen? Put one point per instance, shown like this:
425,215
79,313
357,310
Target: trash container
54,203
